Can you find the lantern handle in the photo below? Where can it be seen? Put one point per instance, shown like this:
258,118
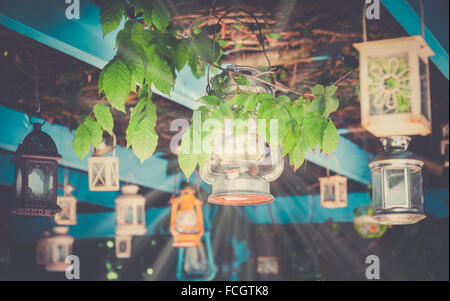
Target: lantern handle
336,161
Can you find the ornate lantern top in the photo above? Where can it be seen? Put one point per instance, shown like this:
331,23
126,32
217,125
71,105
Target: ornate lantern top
395,148
38,143
130,194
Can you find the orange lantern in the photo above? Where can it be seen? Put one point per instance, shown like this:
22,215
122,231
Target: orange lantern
186,219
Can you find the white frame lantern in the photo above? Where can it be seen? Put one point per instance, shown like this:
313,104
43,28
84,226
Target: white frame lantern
123,246
130,212
68,203
395,86
333,190
55,249
241,166
103,169
397,184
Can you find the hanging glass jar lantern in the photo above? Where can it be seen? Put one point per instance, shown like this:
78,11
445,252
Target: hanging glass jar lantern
123,246
53,250
130,212
104,169
395,87
333,190
242,166
397,183
68,204
197,263
186,219
366,225
36,174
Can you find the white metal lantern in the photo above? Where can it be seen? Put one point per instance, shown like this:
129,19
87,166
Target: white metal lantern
104,169
242,165
53,250
333,190
68,203
397,183
123,246
444,144
395,87
130,212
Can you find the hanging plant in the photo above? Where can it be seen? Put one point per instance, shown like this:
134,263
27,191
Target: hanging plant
149,51
302,123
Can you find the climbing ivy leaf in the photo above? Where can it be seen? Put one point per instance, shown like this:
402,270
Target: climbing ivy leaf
160,15
330,90
116,84
95,131
160,74
111,12
81,143
104,117
330,137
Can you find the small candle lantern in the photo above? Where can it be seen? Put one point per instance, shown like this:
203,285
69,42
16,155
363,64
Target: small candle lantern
242,166
123,246
103,168
68,203
130,212
53,250
36,174
186,219
397,183
366,225
394,86
333,190
197,263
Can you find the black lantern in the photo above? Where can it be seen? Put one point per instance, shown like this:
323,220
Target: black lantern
36,175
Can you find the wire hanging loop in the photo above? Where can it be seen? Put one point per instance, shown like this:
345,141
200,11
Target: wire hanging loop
336,161
261,40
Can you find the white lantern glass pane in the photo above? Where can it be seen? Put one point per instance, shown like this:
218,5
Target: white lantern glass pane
99,173
389,85
416,188
424,97
129,215
40,181
329,192
50,253
19,183
396,190
377,188
186,221
195,260
140,213
342,191
61,254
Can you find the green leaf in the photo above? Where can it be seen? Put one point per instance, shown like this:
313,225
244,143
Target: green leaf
298,154
317,105
284,99
160,15
239,100
95,131
111,12
181,54
145,139
312,130
186,158
160,74
116,84
104,117
330,137
274,35
225,109
134,56
288,141
331,105
282,115
250,104
330,90
298,113
318,90
81,143
209,100
141,36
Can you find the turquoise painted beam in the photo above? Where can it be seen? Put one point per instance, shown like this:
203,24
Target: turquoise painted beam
402,11
45,21
152,173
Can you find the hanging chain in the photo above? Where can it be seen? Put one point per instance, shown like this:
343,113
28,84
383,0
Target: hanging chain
261,40
37,103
